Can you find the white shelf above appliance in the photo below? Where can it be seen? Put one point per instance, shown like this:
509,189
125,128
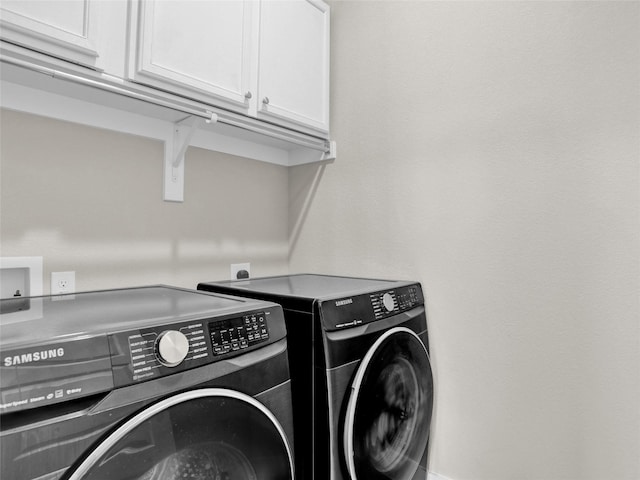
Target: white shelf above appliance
107,102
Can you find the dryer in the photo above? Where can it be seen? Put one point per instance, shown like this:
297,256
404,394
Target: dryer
144,383
362,382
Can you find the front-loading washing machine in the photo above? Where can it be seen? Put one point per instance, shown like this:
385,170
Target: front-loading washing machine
362,382
149,383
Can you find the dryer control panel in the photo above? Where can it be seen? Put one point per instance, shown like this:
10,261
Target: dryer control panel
394,301
360,309
154,352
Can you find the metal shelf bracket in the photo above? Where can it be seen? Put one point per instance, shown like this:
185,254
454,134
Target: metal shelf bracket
175,148
331,152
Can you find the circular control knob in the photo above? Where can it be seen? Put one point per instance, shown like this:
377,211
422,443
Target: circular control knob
172,347
387,301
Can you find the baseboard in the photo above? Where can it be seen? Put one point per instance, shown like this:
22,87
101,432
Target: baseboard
435,476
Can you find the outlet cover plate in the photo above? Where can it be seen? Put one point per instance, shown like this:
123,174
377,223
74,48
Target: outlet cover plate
236,268
63,282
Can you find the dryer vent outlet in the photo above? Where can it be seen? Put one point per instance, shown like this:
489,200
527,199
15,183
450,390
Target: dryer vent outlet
240,271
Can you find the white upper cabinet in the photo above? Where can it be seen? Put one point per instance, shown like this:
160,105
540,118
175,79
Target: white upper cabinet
245,77
64,29
268,59
293,70
198,49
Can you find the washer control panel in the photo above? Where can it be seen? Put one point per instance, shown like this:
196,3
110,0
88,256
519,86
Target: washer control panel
150,353
238,333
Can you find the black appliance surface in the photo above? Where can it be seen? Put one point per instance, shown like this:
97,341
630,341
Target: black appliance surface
90,313
309,286
123,384
362,383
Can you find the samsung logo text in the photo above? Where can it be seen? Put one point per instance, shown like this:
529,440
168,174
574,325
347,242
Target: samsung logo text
33,357
346,301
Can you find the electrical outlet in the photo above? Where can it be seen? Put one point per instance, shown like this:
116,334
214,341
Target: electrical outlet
240,271
63,282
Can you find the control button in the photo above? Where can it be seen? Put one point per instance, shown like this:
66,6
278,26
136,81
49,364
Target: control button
387,301
172,348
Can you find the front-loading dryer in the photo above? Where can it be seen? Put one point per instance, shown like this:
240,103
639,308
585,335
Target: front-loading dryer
149,383
362,382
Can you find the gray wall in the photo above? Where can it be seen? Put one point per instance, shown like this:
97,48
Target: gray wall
491,151
90,200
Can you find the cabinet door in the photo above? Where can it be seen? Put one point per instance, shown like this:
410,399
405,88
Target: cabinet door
198,49
64,29
294,63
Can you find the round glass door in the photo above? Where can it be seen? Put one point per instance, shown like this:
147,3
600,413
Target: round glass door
207,434
389,411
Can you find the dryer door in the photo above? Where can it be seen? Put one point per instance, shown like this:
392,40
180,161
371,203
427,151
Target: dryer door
388,415
205,434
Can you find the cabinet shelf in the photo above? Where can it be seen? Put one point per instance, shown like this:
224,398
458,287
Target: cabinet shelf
97,100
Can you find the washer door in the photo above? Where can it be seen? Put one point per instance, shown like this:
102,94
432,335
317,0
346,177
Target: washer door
389,410
207,434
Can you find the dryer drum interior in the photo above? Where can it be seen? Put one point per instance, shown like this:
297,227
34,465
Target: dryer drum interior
388,414
206,434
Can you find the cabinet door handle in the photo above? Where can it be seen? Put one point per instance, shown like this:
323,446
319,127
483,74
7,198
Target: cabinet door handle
265,100
248,95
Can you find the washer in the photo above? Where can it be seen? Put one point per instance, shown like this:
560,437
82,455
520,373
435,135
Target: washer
361,374
146,383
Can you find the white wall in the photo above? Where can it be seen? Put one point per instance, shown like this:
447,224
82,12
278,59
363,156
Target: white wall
491,151
90,200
